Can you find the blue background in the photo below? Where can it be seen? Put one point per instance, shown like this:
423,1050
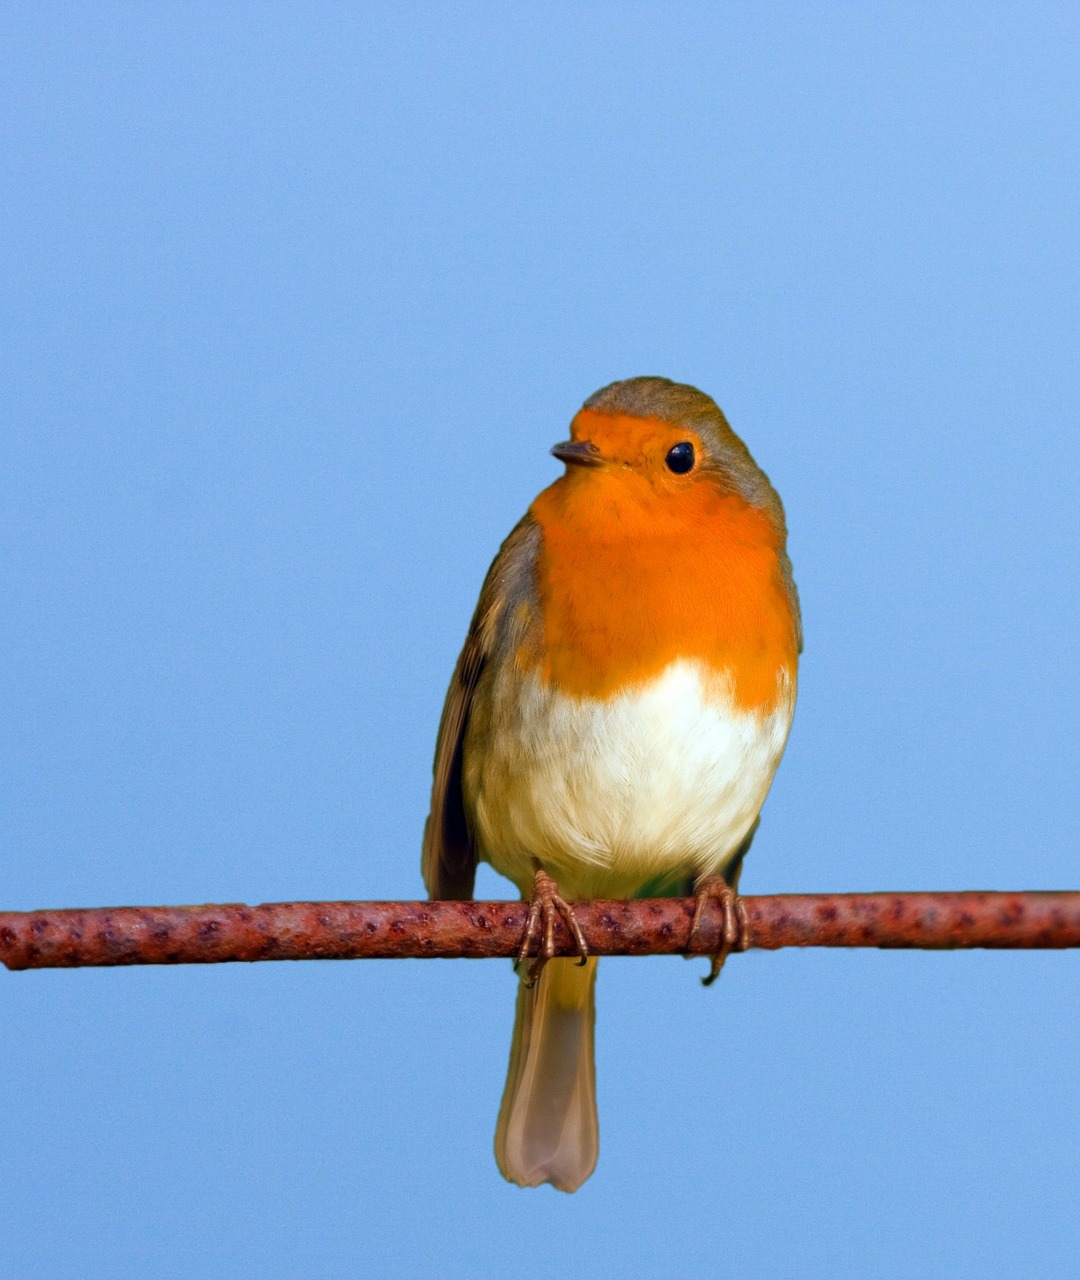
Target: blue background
295,299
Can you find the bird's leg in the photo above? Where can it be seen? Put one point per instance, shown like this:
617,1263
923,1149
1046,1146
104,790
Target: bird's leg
736,931
545,905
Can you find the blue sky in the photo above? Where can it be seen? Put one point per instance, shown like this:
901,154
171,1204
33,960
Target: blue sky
295,299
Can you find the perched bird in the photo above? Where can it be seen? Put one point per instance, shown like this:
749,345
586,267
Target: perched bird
615,719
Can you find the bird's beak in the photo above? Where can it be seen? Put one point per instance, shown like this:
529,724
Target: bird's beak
577,453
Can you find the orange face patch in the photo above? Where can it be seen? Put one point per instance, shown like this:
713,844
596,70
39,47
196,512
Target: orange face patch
637,444
640,567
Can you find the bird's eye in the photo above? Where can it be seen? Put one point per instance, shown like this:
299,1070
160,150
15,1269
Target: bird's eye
680,458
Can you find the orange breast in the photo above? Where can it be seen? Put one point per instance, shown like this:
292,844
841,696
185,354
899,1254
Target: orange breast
631,580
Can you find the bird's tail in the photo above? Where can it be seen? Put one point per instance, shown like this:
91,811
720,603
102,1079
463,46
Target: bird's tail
547,1130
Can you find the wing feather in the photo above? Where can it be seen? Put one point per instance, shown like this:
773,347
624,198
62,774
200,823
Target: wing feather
449,856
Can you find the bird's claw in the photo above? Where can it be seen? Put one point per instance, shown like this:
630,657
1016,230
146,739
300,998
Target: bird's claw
545,906
735,935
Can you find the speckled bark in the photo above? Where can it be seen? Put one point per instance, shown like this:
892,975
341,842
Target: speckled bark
399,930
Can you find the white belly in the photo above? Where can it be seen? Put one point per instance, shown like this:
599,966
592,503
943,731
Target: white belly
609,794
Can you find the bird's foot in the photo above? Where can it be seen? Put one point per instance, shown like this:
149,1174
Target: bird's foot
545,905
735,935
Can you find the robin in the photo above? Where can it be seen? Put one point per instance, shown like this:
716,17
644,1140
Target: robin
615,720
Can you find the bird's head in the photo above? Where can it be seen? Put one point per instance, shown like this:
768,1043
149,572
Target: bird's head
658,438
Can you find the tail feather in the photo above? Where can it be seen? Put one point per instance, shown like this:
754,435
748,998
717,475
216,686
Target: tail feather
547,1129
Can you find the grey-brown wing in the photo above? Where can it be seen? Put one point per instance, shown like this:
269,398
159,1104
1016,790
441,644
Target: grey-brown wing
792,595
449,858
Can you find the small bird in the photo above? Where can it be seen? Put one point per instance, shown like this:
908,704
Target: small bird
614,720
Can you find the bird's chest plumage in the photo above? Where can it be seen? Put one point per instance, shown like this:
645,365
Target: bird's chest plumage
657,781
630,725
627,585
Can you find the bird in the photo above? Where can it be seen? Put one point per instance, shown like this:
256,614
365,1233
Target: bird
614,721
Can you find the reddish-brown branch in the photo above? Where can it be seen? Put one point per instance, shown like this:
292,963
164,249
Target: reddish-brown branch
398,930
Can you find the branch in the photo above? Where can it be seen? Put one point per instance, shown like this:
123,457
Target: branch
478,930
